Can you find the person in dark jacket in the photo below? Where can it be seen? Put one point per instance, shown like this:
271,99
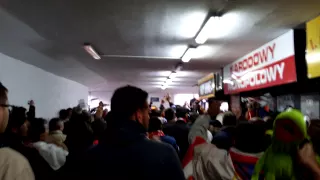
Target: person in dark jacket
16,137
126,152
178,129
155,131
224,138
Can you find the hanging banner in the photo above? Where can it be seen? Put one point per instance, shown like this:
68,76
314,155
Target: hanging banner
270,65
313,47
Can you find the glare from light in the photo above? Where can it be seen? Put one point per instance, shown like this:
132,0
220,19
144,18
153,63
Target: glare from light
188,24
188,55
228,81
168,81
213,85
205,51
212,24
176,50
173,75
234,76
224,106
163,87
313,57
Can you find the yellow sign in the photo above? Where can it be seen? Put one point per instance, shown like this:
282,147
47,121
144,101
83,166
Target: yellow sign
313,48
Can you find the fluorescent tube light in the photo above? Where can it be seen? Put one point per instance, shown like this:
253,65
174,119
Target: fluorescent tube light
207,29
188,55
91,51
164,86
173,75
168,81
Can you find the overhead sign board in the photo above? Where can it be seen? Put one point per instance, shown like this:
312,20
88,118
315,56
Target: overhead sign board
271,64
313,48
207,86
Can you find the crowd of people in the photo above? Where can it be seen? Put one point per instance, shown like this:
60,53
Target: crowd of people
137,141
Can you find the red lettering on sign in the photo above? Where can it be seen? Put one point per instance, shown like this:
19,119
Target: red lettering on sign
250,62
263,56
256,59
271,49
245,64
240,66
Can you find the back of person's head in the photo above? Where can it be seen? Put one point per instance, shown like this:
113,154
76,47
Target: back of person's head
250,137
229,119
80,136
38,129
17,118
155,112
4,113
3,94
154,124
181,112
214,107
63,114
55,124
169,114
127,101
193,117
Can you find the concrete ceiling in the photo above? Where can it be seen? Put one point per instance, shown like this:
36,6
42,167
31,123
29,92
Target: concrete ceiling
50,34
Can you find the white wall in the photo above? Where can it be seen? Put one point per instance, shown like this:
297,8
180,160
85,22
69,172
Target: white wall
50,92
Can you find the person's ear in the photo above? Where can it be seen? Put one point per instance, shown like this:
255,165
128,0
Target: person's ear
139,115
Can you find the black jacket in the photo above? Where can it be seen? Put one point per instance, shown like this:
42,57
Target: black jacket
126,153
179,131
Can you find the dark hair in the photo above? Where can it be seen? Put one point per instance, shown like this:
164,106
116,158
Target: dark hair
215,123
181,112
193,117
269,122
169,114
80,135
155,112
63,114
54,124
250,137
37,127
17,117
127,100
229,119
3,94
154,124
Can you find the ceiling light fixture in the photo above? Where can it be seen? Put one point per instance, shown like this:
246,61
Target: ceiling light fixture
173,75
164,86
168,81
207,29
91,51
188,55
